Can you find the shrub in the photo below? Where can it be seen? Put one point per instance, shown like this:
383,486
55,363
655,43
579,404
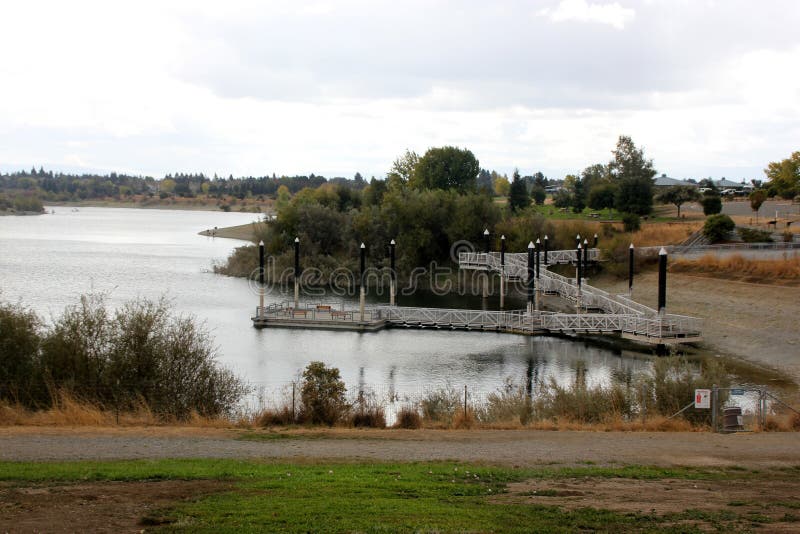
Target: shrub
408,417
580,403
19,348
631,221
440,405
278,417
368,412
673,382
788,237
750,235
712,204
142,354
510,404
717,227
323,395
370,417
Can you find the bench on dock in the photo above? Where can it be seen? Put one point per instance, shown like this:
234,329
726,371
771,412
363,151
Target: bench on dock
298,313
341,314
323,308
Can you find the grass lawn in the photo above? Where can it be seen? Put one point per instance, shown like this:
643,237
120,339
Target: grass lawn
408,497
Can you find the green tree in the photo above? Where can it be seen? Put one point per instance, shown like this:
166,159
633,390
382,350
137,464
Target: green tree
634,175
784,176
402,170
602,196
679,195
717,227
447,167
518,198
712,204
538,195
323,394
757,198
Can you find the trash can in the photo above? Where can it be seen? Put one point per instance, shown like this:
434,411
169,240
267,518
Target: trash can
732,419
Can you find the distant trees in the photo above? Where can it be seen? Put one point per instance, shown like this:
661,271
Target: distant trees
679,195
784,176
446,168
518,198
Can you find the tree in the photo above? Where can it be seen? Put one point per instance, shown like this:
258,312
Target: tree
518,198
447,167
634,176
679,195
538,195
501,186
322,394
602,196
784,176
712,204
757,198
717,227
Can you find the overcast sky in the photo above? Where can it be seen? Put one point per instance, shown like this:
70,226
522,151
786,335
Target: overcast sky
252,88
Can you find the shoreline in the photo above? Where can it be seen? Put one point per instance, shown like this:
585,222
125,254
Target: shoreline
187,206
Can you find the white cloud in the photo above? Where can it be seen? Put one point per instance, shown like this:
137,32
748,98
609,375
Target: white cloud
582,11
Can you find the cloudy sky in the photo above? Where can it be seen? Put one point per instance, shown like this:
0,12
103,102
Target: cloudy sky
245,87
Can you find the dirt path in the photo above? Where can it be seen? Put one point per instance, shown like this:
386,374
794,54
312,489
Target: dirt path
506,447
754,322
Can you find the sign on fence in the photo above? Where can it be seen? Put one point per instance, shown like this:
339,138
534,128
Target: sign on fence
702,398
737,392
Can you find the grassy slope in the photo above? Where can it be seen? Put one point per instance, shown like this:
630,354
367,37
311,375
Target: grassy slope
367,497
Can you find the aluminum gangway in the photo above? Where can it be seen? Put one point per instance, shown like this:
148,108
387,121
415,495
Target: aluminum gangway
619,314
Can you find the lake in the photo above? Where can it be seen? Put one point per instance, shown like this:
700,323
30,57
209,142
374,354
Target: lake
48,261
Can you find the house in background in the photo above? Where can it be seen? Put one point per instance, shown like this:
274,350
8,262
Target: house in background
665,182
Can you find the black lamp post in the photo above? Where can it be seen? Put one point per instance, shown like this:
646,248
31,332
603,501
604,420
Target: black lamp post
296,271
662,281
530,277
630,270
362,292
393,273
502,271
260,278
545,250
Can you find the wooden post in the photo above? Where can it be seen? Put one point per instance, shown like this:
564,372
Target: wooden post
465,404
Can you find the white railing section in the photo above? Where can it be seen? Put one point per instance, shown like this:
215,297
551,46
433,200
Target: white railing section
550,282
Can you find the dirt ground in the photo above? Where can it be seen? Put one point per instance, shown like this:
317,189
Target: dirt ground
777,500
95,507
754,322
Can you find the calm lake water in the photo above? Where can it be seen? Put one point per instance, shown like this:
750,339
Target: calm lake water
48,261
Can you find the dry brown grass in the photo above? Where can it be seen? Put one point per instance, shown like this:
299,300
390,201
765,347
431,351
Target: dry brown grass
67,410
783,423
655,234
740,267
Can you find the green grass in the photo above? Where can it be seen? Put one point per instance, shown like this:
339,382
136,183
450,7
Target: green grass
336,497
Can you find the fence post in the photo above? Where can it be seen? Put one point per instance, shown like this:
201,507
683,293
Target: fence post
294,419
714,408
465,403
